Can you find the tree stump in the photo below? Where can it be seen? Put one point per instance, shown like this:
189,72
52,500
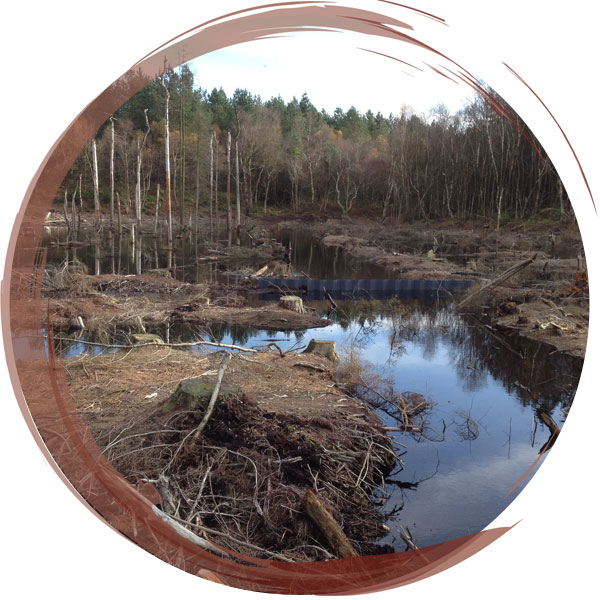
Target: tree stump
291,303
146,338
194,394
324,348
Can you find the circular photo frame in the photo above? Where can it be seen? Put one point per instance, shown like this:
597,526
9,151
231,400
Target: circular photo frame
428,264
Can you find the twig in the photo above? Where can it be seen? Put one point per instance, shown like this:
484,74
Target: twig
226,536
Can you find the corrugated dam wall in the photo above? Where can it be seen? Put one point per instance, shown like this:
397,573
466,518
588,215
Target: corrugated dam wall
379,289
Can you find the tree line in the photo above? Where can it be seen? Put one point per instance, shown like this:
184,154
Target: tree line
175,146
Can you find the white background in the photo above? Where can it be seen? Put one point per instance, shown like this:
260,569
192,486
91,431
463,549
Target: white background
59,55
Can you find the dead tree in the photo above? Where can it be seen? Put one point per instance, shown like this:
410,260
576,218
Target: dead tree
217,184
197,217
96,190
168,174
238,217
138,181
212,181
156,208
229,185
112,171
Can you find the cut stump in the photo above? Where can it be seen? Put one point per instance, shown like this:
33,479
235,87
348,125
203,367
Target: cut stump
324,348
291,303
146,338
194,394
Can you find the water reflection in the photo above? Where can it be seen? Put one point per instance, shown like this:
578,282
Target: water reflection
483,431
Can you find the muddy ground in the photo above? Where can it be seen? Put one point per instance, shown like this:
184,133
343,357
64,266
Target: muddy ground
136,302
242,484
447,249
551,295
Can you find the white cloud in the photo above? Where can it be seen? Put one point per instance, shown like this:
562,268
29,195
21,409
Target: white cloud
334,71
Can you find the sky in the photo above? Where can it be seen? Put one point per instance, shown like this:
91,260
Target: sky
332,69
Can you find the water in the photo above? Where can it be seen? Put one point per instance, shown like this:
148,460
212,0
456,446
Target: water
482,432
462,483
114,254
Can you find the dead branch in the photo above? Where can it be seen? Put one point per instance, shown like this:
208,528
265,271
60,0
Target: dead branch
213,398
172,345
500,279
328,526
187,534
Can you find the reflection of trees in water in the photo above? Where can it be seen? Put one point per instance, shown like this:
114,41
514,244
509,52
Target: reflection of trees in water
531,372
365,313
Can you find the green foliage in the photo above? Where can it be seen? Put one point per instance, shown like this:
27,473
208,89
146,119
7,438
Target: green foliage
291,156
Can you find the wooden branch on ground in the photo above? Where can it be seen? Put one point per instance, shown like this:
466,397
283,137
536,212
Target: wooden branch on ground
274,345
328,526
210,531
261,271
188,535
213,398
328,296
174,345
500,279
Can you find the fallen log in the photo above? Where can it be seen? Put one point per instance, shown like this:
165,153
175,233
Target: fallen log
328,526
261,271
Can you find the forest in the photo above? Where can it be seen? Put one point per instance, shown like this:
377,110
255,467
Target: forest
177,145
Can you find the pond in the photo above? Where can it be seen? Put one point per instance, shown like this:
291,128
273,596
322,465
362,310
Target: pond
483,430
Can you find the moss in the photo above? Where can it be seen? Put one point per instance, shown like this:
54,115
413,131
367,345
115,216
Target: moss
194,394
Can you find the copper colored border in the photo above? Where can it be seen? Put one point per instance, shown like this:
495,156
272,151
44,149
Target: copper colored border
40,383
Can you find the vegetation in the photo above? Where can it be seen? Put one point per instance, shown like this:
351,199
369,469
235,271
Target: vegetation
481,162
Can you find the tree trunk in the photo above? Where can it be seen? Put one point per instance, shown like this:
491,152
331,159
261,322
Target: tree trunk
112,172
324,348
156,208
212,181
96,190
138,180
197,216
168,177
229,185
217,185
238,215
182,143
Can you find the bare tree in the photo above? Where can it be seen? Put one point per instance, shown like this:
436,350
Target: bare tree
168,174
112,171
96,187
138,182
